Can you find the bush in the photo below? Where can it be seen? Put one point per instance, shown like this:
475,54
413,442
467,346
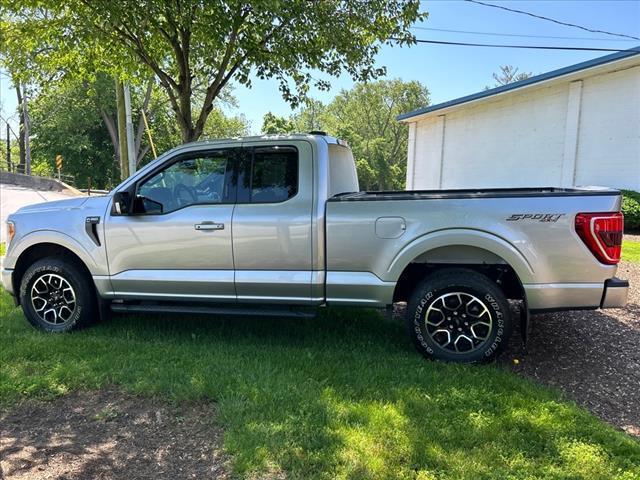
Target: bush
42,168
631,210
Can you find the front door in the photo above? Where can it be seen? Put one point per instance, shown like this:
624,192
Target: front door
177,244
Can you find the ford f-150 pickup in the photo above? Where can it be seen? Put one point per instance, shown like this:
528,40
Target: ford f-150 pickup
277,225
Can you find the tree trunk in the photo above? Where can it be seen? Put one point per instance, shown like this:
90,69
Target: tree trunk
113,135
140,151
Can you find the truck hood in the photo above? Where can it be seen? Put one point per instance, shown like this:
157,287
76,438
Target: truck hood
54,205
62,205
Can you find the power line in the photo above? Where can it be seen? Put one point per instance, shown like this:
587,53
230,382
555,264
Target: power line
566,24
535,47
499,34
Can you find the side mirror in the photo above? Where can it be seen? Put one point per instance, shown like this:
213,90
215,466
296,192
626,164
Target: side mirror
122,203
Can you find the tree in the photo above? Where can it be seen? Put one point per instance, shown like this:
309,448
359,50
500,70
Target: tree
72,118
309,118
193,46
66,121
274,124
365,117
508,74
306,119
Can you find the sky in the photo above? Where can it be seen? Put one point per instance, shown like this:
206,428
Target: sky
453,71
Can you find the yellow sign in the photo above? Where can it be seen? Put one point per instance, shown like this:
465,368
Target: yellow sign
58,162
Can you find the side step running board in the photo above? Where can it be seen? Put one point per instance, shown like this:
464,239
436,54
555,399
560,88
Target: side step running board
263,311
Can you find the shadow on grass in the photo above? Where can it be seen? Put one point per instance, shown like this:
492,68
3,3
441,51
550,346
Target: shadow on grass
340,396
592,356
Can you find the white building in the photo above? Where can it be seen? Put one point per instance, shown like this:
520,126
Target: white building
579,125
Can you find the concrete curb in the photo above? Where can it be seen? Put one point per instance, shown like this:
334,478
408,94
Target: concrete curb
37,183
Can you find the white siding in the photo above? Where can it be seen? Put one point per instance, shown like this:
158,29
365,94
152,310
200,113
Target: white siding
428,146
578,131
609,138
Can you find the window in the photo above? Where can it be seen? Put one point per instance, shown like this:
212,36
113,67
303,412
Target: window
191,181
273,176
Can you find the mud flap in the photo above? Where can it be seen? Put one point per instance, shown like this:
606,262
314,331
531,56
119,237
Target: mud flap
524,323
104,308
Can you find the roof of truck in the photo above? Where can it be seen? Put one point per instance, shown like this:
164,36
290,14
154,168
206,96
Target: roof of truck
269,136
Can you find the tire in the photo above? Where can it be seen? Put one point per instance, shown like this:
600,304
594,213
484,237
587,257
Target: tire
469,319
56,296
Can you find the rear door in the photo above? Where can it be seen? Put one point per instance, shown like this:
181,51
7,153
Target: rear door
272,239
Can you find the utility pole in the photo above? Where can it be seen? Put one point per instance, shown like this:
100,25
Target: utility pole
131,149
122,131
9,166
27,134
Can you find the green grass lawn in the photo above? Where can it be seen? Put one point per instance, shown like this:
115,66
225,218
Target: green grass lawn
340,396
631,251
3,248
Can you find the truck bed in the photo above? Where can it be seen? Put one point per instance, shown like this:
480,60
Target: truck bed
472,193
530,229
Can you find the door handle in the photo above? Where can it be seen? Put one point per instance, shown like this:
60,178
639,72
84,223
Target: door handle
209,226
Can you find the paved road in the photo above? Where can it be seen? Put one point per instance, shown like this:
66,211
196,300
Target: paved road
13,197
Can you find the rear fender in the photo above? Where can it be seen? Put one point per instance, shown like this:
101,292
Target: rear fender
463,237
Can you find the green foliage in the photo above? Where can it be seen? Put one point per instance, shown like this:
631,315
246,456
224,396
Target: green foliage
631,210
66,121
274,124
309,117
70,118
221,125
341,396
365,117
196,48
631,251
41,166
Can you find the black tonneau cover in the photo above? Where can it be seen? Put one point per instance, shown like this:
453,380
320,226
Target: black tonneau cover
471,193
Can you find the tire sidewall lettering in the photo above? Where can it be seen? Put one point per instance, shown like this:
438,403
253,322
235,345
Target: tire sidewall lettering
33,275
491,303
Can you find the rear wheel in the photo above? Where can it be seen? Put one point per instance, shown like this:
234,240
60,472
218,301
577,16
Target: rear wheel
56,296
459,315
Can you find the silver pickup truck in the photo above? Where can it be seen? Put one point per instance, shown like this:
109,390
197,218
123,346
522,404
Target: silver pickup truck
276,225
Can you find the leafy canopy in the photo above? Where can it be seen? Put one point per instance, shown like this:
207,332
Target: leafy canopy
68,119
195,45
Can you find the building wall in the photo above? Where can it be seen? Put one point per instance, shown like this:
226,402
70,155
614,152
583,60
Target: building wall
563,133
609,135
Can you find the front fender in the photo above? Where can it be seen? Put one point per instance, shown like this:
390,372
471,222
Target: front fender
59,238
465,237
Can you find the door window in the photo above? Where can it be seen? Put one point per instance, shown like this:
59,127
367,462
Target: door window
271,176
189,181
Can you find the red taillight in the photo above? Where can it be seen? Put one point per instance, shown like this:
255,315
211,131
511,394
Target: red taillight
602,233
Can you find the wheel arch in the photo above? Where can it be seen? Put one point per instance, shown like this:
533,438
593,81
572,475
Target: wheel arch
39,250
476,250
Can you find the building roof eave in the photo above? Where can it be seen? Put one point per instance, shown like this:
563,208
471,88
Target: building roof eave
543,77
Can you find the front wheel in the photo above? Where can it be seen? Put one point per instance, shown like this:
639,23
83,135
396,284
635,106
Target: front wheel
459,315
56,297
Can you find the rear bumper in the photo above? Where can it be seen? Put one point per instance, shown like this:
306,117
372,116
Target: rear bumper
549,297
615,293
